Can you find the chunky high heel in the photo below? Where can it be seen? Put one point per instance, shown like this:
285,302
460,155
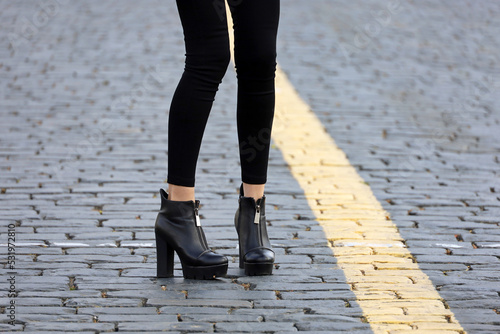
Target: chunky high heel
256,254
178,229
164,256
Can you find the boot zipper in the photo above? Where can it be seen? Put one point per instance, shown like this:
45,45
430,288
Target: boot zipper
197,216
257,221
198,224
257,214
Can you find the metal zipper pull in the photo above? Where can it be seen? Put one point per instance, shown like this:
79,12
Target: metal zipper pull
257,214
196,215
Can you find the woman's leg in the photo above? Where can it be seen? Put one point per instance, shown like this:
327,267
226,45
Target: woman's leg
255,33
207,58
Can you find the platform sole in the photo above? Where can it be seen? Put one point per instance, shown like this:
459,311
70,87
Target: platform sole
204,272
258,269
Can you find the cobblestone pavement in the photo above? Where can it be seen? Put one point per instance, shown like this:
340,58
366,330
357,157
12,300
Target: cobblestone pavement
85,90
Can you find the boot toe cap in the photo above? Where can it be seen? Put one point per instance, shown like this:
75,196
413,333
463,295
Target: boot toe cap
259,256
211,259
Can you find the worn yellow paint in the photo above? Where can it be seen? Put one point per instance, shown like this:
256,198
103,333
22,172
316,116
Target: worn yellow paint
394,294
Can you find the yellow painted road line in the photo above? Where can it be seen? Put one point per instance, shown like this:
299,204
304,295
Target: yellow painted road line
394,294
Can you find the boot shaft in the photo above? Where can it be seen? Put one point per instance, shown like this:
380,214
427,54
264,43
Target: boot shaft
184,210
250,202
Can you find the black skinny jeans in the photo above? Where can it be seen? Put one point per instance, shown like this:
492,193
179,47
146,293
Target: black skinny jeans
255,24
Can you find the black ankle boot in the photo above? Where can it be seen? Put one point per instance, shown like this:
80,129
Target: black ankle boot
178,229
256,254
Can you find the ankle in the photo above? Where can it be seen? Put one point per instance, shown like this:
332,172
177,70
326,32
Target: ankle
180,193
253,190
